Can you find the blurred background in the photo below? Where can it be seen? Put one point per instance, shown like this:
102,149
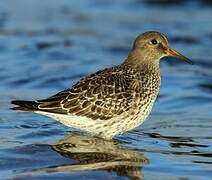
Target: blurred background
46,46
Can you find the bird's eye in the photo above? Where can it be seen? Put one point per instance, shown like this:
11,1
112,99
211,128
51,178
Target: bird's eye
154,42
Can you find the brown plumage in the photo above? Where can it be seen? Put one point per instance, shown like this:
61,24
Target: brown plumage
114,100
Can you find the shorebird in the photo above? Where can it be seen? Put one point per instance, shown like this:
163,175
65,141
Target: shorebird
113,100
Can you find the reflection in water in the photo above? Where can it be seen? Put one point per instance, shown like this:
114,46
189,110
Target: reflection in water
92,153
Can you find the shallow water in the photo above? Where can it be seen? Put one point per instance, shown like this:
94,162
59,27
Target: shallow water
46,46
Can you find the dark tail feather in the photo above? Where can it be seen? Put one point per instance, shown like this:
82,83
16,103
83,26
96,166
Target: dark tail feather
25,105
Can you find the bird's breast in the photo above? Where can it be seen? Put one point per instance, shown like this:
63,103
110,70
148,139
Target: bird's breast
147,89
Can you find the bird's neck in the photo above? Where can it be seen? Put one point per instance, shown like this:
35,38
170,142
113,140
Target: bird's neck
137,62
146,72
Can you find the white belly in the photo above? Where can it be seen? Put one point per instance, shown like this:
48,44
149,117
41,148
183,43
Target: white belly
104,128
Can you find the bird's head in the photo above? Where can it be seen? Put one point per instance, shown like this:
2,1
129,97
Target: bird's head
152,46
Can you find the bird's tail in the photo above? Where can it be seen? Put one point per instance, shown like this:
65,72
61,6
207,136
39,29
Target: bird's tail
25,105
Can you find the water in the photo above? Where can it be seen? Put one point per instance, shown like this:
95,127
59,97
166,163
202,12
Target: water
46,46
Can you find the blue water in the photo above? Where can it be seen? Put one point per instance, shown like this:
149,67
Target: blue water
46,46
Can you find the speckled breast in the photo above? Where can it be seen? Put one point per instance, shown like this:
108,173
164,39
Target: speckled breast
145,96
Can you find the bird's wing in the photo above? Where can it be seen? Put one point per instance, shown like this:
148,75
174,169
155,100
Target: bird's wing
99,96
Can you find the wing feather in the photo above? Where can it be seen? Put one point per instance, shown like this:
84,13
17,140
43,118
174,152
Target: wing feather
102,95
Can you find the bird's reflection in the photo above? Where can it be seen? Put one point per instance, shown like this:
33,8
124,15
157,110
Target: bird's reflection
92,153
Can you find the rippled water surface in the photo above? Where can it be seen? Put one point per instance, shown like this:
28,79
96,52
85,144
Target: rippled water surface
46,46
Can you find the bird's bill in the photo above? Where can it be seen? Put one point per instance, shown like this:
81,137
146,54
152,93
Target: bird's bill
173,53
